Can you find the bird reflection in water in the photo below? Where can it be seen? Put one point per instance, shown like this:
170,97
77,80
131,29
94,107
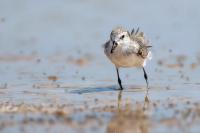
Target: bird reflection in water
128,119
145,105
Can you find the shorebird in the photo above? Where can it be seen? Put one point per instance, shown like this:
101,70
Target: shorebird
126,49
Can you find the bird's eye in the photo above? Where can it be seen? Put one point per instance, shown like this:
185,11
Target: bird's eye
122,37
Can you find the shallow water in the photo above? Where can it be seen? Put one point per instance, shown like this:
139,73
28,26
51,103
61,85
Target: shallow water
55,76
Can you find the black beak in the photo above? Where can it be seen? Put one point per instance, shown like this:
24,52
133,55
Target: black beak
113,46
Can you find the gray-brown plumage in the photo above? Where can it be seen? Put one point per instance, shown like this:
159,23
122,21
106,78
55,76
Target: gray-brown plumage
127,50
143,43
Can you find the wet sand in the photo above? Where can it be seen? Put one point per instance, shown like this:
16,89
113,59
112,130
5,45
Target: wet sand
102,110
50,103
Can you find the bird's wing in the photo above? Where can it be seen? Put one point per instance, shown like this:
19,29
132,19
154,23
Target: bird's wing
140,39
106,48
106,45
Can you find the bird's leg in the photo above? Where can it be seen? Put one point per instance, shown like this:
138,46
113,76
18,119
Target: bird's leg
119,80
146,78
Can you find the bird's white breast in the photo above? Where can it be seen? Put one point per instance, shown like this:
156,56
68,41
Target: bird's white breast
122,60
127,61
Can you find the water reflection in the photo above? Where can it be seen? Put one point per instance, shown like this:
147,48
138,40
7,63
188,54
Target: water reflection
129,119
119,100
146,100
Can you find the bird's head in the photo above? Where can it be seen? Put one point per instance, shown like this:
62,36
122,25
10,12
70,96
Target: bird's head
119,36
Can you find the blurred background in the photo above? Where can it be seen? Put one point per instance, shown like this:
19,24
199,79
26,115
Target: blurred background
57,45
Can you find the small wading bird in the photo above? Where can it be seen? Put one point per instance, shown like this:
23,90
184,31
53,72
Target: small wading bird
126,49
